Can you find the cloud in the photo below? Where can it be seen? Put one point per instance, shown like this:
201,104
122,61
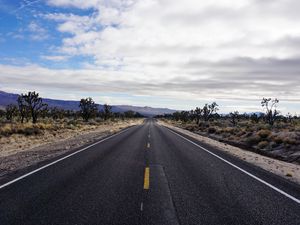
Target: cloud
37,31
55,57
208,50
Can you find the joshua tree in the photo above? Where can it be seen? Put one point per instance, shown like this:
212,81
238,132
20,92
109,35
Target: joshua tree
57,113
198,114
34,104
129,114
23,108
271,111
107,111
88,108
233,117
209,110
11,111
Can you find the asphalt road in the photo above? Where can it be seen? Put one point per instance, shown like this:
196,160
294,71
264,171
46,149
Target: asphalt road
150,175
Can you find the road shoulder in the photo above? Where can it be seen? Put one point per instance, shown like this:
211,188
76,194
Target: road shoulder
286,170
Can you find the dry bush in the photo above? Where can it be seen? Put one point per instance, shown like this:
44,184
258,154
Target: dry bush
211,130
264,133
263,145
278,140
253,140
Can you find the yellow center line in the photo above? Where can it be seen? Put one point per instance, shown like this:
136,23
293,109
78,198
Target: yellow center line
146,178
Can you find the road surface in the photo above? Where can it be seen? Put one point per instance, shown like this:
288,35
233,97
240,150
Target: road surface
149,174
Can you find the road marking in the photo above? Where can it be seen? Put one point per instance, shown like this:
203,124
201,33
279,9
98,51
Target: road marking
146,178
148,145
63,158
142,206
240,169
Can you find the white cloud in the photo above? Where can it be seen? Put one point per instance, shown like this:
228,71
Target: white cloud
55,57
37,31
185,49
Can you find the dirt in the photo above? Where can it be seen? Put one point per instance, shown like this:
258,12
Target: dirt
286,170
19,151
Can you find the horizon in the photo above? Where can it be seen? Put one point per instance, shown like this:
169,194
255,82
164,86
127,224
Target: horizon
118,53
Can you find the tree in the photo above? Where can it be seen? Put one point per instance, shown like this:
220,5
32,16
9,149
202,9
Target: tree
129,114
57,113
289,117
271,111
88,108
233,117
11,111
23,108
254,118
176,115
2,113
184,116
209,110
34,104
107,113
198,114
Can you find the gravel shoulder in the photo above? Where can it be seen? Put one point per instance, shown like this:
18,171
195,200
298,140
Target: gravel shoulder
18,151
287,170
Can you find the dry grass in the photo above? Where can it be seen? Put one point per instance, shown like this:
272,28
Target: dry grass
281,141
18,137
287,170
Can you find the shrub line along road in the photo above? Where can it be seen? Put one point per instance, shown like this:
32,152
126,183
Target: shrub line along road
149,174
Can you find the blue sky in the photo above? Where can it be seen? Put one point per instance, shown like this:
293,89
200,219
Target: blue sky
161,53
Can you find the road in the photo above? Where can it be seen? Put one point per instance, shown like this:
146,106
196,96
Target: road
148,174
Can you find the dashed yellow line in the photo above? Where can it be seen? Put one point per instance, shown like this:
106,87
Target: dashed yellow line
146,178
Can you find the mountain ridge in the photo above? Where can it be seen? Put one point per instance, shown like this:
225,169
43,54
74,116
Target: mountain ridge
11,98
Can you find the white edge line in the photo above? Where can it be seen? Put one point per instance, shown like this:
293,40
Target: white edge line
58,160
142,206
240,169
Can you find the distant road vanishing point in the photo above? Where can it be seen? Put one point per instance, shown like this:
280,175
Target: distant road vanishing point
148,174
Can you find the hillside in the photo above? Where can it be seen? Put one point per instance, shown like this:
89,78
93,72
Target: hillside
9,98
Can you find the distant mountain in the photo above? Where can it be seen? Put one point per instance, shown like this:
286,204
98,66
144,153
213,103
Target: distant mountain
8,98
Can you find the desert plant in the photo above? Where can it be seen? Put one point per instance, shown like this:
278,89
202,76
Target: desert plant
233,117
262,144
34,104
198,113
264,133
88,108
107,113
209,110
11,111
23,108
271,111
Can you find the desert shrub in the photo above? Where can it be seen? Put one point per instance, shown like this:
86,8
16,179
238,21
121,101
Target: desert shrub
73,122
241,133
211,130
277,140
249,134
262,144
264,133
289,141
203,125
219,131
191,127
229,130
31,131
253,140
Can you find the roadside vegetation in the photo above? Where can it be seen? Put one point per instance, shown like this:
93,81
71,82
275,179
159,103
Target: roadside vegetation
31,116
268,133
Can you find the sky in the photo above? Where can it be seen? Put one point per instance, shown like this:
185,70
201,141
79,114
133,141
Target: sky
161,53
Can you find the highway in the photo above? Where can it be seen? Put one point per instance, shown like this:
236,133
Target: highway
149,174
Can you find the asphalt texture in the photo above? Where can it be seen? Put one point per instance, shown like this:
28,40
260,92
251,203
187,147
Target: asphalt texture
107,184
